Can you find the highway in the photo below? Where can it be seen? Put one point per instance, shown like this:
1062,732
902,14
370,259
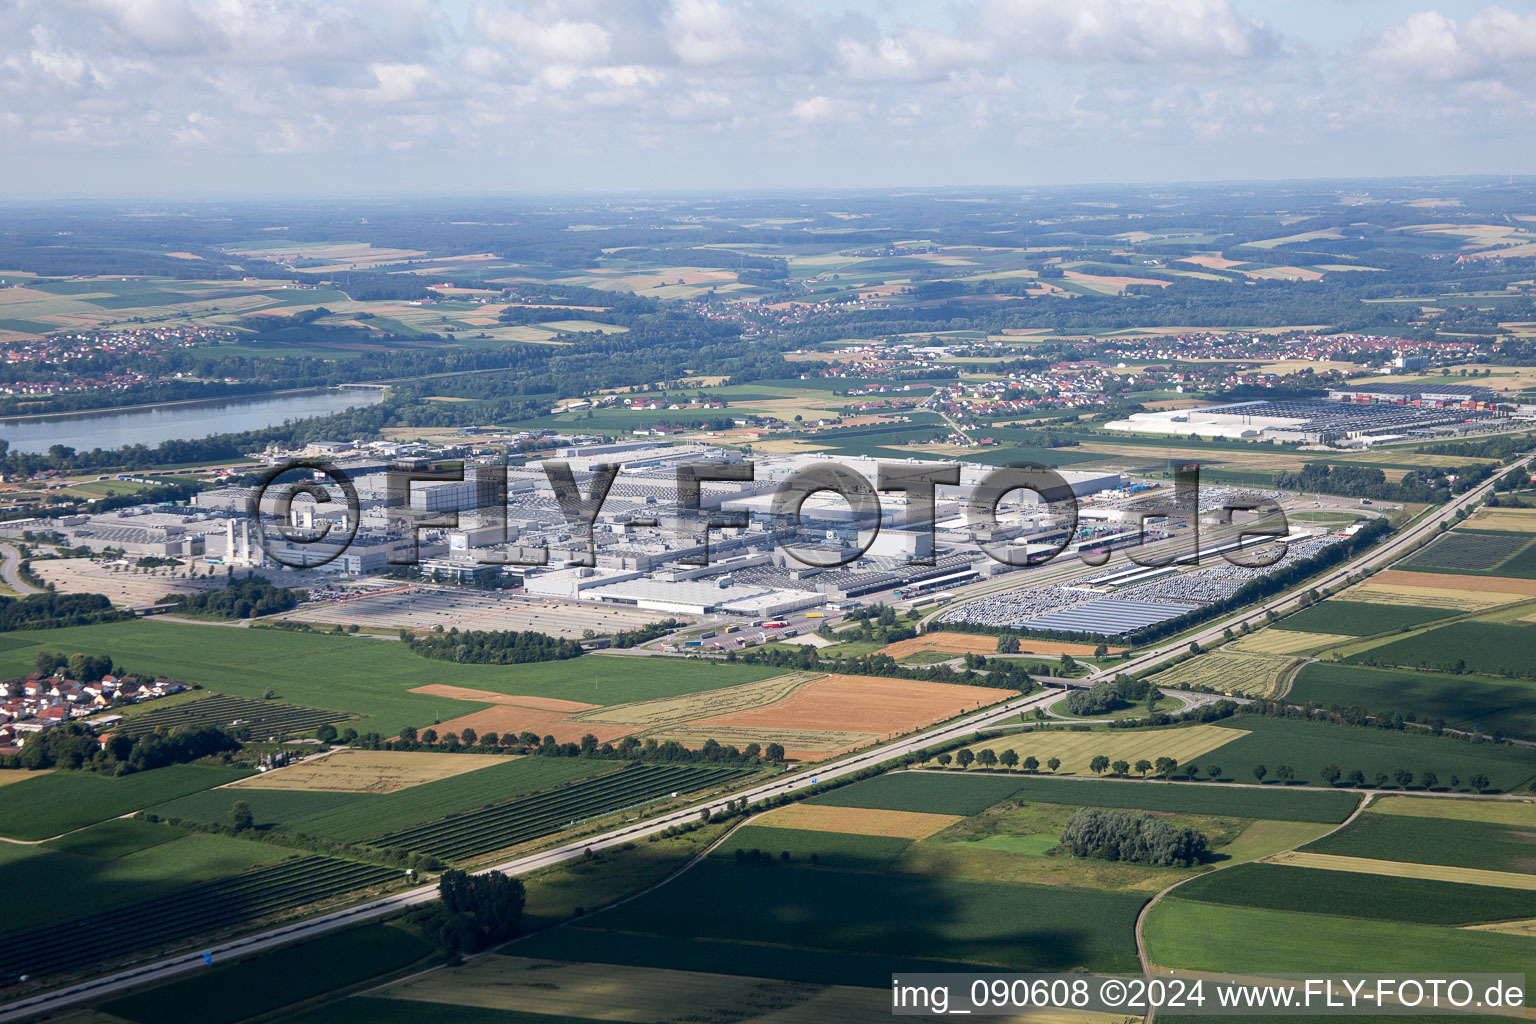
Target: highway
163,970
111,984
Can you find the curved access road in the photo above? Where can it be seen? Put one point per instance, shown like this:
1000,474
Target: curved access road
10,571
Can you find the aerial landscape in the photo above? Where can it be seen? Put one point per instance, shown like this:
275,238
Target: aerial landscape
780,513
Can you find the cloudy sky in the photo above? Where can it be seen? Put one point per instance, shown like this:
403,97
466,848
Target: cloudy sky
214,96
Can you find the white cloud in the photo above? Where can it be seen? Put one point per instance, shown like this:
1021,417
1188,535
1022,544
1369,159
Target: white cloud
979,88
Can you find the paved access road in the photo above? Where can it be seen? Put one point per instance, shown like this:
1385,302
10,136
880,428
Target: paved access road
10,571
118,982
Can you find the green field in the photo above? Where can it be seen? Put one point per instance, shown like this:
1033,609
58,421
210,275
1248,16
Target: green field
361,676
831,849
1357,618
1307,746
353,817
377,1010
932,792
1275,804
1490,648
185,912
967,794
1370,897
1466,552
62,801
1045,927
109,840
136,875
264,717
751,959
1209,937
1461,701
1465,844
505,824
270,981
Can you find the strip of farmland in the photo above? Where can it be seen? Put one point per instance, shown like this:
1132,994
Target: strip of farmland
517,821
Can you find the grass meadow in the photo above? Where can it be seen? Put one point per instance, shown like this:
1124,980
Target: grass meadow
369,678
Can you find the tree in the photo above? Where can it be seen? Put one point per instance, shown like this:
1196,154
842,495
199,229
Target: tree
429,736
774,752
1120,768
1097,765
1403,777
1381,779
468,737
1134,837
1285,773
1330,773
1101,650
1055,763
964,757
987,757
944,760
1143,766
1479,782
1031,763
1356,777
408,734
1430,780
475,911
1010,758
1165,766
240,814
1007,645
1259,771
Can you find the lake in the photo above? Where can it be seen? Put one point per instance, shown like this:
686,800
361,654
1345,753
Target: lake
114,429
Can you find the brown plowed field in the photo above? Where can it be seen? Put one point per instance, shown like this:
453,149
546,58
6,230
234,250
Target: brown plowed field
1446,581
871,704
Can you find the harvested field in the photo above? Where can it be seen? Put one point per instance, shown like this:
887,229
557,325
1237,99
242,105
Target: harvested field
798,744
1426,597
1405,869
970,643
862,821
491,697
369,771
673,711
1503,812
1211,262
1440,581
505,718
1252,675
1526,927
1518,520
866,705
1279,641
1077,749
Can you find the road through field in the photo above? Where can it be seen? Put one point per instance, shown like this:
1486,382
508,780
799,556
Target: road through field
10,571
51,1002
121,981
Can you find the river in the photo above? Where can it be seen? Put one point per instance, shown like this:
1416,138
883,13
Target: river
186,421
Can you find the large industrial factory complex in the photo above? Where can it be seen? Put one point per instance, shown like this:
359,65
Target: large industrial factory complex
1357,414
